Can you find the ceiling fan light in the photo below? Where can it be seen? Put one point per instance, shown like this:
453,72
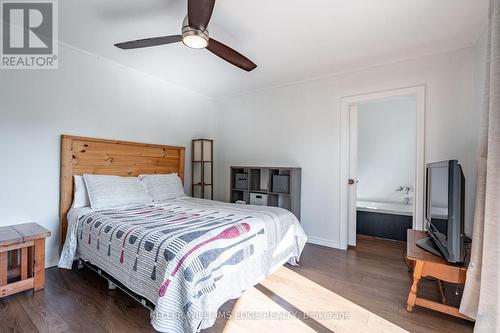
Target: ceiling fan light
195,41
194,38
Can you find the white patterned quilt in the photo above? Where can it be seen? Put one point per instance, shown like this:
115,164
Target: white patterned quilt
186,256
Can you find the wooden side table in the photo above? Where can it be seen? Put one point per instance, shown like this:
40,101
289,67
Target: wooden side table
29,239
427,264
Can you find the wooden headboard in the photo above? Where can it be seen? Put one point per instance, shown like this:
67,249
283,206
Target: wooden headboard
81,155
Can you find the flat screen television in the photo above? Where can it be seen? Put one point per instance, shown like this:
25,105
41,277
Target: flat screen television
444,211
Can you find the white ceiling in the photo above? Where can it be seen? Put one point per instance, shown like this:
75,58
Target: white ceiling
289,40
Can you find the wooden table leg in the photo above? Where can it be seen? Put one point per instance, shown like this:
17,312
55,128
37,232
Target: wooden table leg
39,265
412,295
24,263
441,292
3,268
411,265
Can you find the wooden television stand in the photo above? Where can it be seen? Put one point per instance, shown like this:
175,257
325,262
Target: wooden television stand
428,264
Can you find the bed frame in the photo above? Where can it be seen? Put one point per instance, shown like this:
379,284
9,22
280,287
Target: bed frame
80,155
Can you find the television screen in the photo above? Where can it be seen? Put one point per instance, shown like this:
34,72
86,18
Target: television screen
444,212
437,213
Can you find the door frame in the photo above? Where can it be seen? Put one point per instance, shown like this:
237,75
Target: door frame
348,230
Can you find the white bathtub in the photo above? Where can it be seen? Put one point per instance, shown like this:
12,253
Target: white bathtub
385,207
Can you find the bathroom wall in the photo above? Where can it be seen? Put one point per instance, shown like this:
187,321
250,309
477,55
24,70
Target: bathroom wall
386,149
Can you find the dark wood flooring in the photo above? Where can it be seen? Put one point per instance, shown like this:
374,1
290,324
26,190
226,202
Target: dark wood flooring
372,275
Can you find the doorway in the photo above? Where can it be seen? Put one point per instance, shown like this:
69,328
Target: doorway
382,164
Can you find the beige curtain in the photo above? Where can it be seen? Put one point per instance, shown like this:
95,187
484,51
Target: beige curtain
482,289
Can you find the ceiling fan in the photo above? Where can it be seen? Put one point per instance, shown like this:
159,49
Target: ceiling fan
195,35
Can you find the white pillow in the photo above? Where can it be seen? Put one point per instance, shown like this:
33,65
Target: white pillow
81,197
107,192
163,187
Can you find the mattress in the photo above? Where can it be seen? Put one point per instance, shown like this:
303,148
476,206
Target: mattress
186,256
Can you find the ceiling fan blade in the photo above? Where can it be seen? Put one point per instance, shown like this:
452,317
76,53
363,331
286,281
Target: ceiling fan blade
230,55
199,13
147,42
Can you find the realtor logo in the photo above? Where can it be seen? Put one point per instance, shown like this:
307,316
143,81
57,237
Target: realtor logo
29,35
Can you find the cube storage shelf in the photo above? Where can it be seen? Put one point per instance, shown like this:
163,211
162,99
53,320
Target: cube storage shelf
260,180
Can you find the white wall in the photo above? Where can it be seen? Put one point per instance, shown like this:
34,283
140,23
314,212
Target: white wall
86,96
298,125
387,139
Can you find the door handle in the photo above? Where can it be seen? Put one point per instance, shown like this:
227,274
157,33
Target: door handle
352,181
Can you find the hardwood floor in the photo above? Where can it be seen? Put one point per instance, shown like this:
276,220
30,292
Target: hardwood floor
373,275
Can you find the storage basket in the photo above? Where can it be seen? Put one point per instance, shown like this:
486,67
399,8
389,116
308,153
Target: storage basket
258,199
281,183
241,181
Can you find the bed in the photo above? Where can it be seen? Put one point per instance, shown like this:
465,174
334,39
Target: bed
185,256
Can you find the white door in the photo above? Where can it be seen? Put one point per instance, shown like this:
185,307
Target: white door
353,172
349,157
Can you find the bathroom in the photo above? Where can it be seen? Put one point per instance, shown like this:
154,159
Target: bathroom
386,158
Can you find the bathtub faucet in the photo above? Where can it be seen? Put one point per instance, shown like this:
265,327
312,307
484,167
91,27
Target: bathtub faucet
405,188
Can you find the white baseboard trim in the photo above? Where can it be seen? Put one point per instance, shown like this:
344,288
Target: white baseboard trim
324,242
51,263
